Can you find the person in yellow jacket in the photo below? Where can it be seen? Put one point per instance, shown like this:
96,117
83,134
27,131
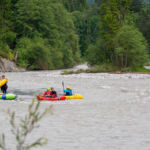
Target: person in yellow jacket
5,86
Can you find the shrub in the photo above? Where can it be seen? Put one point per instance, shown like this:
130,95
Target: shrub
25,127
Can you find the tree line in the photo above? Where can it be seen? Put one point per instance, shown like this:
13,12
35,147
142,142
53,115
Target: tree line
123,39
50,34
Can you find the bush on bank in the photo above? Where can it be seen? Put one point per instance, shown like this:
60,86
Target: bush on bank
108,68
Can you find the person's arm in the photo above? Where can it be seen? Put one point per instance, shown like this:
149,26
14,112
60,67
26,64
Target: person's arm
70,92
44,93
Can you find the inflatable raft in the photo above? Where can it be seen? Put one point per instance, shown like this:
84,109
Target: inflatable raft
46,98
76,96
8,96
3,81
59,98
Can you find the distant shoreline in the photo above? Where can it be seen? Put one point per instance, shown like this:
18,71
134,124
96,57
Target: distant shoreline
106,70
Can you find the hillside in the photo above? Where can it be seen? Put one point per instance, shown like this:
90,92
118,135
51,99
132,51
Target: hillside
60,34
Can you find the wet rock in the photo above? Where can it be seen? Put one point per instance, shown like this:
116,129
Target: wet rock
9,66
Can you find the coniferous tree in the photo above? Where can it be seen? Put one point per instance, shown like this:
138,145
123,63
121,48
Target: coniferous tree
7,36
119,43
74,5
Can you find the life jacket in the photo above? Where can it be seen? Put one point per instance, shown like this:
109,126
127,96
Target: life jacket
47,93
68,92
54,94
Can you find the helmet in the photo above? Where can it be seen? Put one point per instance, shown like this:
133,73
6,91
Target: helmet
48,88
68,87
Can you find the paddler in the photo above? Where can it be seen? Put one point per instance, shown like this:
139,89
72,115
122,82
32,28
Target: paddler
54,93
68,91
4,87
48,92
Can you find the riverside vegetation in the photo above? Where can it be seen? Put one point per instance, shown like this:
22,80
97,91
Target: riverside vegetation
52,34
22,129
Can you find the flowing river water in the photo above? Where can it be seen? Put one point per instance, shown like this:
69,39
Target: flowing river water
114,114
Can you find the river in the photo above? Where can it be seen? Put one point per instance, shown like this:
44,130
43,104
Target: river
114,114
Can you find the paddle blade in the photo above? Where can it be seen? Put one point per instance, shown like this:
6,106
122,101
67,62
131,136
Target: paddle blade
63,85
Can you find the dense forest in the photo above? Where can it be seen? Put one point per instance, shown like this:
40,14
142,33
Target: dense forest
50,34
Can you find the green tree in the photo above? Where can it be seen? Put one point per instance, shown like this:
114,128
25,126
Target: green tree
97,53
136,5
7,36
112,17
130,47
33,56
87,28
98,1
50,21
74,5
143,22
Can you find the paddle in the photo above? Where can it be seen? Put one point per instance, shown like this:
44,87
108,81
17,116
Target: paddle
63,86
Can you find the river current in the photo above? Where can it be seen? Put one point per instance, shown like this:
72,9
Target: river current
114,114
